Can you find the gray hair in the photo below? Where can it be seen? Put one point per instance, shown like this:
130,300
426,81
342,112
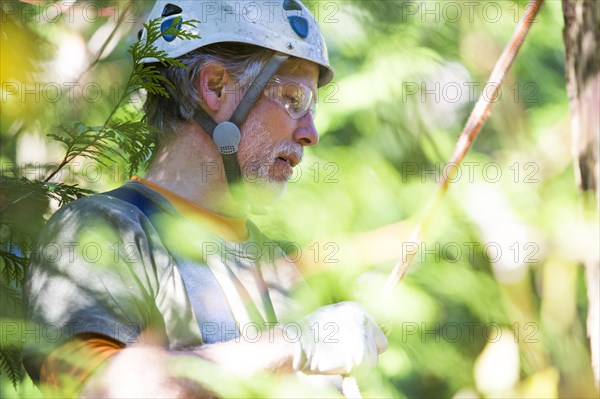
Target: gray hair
242,61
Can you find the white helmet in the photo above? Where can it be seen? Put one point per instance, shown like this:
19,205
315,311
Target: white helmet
285,26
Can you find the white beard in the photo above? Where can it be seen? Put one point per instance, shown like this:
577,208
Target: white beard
263,186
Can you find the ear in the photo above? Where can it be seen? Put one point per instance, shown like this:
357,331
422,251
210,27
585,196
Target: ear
213,78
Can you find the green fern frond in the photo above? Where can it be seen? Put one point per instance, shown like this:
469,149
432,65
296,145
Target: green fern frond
124,134
12,267
10,363
134,146
146,76
18,190
12,294
65,193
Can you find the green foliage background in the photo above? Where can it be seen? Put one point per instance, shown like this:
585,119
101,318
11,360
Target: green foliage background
464,322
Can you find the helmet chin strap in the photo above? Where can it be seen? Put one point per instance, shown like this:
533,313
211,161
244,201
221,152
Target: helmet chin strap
226,135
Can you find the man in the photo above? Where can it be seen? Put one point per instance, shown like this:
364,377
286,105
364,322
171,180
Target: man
167,269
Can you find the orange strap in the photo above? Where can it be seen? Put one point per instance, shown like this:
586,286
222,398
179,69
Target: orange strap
231,229
68,367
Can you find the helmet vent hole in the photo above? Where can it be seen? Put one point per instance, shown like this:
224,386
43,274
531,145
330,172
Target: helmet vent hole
171,9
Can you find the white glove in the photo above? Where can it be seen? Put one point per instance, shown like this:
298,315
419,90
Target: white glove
337,338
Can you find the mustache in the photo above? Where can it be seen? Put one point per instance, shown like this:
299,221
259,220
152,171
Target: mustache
294,149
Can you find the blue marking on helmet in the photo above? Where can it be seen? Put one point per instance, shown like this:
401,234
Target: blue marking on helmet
173,22
299,25
291,5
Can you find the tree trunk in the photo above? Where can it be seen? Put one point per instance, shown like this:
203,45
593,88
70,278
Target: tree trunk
582,37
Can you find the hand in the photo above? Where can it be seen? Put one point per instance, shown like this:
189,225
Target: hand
144,372
337,338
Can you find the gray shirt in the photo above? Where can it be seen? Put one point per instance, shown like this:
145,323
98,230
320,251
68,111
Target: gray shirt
101,267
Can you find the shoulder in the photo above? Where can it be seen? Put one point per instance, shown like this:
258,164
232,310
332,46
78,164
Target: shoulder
99,206
92,212
102,211
102,241
100,224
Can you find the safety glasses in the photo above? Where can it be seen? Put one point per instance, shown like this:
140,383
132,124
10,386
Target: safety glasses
296,98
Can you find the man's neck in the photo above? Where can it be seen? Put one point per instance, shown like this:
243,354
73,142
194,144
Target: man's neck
191,167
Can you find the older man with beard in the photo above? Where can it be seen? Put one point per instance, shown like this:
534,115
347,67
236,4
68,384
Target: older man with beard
182,272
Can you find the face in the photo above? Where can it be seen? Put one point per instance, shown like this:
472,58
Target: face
272,141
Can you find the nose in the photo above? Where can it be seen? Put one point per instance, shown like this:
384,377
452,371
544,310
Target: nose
306,133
